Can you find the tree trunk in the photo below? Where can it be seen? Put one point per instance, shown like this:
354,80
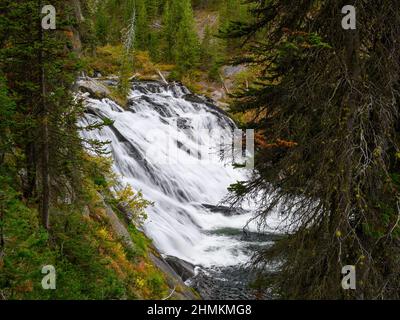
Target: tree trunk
45,196
354,77
2,242
30,183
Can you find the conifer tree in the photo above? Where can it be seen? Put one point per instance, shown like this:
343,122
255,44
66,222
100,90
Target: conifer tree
7,111
187,47
231,12
153,8
40,68
206,48
142,26
169,29
101,28
326,107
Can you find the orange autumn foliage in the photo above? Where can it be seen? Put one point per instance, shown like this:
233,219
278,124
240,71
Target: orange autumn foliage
69,34
261,142
26,286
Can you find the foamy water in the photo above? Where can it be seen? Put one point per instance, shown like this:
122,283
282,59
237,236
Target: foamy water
168,147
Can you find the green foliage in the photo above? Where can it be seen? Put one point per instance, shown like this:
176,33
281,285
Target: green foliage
208,53
187,43
327,138
7,112
101,27
107,59
142,26
168,31
180,40
39,139
233,13
142,243
169,21
238,188
90,262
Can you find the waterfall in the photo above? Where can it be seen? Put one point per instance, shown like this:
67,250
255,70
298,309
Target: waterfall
167,144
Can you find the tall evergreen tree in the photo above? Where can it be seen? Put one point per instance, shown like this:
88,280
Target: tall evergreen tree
206,47
169,30
142,33
327,109
231,12
153,8
187,48
7,112
101,28
40,69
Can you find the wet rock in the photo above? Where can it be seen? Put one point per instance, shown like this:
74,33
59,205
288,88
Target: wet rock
260,237
194,98
181,146
146,86
224,119
96,89
97,74
183,268
226,283
227,211
161,109
173,279
112,82
95,112
184,123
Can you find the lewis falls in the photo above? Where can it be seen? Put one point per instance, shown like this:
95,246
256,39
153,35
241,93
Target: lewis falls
172,145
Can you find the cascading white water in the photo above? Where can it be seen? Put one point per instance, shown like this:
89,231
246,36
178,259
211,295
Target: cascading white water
165,145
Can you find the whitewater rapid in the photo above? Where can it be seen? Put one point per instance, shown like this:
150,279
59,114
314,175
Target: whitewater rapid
167,144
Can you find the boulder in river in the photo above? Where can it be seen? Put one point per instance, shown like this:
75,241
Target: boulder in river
96,89
226,211
183,268
174,279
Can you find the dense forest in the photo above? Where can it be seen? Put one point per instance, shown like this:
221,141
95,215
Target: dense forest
322,101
